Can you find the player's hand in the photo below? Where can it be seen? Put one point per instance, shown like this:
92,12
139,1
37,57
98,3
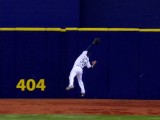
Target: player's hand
96,41
93,63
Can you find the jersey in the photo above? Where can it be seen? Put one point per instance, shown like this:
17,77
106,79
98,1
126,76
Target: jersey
83,60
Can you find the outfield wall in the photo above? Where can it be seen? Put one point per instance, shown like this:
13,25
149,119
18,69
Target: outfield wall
31,50
128,63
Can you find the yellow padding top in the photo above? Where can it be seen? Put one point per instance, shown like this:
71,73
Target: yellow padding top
123,29
71,29
53,29
30,29
93,29
7,29
82,29
150,30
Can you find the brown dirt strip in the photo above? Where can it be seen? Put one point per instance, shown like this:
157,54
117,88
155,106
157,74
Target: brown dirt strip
80,106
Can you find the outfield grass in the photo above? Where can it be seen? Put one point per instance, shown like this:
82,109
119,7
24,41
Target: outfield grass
75,117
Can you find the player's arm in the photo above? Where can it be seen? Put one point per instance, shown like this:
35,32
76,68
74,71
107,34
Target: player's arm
89,47
95,42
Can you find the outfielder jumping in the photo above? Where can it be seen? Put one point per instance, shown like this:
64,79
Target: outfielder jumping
79,64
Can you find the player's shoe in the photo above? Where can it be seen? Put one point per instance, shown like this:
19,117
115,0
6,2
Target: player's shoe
82,94
69,87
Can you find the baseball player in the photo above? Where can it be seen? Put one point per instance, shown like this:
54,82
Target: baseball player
77,70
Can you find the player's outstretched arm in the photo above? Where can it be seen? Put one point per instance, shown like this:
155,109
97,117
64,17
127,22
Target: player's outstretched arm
96,41
89,47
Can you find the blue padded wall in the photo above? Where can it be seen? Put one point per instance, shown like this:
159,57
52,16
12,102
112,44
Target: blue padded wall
39,13
118,13
127,67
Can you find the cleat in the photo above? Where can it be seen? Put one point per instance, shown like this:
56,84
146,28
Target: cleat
82,94
69,87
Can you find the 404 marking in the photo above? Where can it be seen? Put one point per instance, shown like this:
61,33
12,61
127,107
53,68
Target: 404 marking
31,85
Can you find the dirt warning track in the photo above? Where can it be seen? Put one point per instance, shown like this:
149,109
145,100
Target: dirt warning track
80,106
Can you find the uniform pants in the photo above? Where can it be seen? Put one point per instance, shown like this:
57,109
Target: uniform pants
76,71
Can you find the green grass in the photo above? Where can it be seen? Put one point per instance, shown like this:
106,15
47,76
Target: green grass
75,117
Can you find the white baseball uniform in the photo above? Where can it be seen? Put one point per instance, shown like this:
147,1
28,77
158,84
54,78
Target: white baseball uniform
77,70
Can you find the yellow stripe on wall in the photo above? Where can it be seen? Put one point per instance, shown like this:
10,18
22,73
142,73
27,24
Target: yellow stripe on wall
53,29
72,29
150,30
83,29
93,29
123,29
30,29
7,29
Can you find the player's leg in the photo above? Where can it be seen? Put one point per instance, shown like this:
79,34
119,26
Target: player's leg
71,79
81,84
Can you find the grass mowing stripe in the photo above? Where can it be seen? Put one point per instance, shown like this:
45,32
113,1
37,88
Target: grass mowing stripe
75,117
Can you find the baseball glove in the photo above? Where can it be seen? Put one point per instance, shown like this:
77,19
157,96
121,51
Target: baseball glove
96,41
